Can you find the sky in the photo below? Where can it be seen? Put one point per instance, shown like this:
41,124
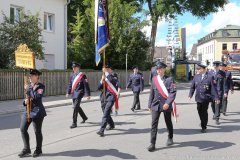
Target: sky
197,28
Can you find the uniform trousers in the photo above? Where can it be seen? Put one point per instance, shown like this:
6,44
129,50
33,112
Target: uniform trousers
203,113
216,108
107,119
224,104
136,101
78,110
155,119
37,125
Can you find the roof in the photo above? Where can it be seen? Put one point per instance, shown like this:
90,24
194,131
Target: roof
229,31
231,27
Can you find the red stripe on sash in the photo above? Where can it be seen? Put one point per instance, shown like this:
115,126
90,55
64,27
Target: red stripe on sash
77,81
159,88
113,92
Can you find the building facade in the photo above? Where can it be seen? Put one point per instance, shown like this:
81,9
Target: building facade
163,53
52,14
210,47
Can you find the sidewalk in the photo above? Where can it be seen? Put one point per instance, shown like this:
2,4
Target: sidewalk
15,106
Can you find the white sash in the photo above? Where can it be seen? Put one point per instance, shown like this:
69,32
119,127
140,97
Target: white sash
76,79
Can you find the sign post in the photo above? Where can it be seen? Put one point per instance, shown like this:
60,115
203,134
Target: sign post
25,58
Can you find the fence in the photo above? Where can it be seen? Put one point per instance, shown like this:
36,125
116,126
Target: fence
11,82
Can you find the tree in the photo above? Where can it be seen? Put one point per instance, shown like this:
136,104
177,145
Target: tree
169,8
27,30
122,19
126,35
81,45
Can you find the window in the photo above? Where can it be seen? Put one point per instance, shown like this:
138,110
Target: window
15,14
225,34
234,46
49,22
224,46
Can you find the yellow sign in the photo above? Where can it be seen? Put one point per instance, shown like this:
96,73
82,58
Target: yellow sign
24,57
181,71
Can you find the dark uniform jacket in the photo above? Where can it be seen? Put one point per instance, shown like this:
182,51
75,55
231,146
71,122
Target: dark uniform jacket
36,94
81,89
109,95
229,82
220,82
156,100
205,88
136,82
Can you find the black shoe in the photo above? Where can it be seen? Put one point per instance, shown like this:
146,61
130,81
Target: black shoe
110,128
137,108
224,114
84,120
203,130
101,134
132,109
169,142
74,125
151,148
37,153
24,153
217,122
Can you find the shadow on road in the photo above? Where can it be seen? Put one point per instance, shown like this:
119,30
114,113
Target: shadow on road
135,114
219,129
92,124
230,120
129,131
202,145
185,103
10,122
233,113
92,153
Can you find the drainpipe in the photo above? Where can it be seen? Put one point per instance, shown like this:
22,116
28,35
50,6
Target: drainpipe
65,33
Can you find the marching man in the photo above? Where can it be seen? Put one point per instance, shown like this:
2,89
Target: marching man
78,87
111,97
203,84
161,99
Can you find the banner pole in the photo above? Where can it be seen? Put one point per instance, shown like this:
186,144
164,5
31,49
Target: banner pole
104,85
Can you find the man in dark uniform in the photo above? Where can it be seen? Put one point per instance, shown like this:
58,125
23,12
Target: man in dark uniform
137,84
205,88
219,80
161,102
111,97
35,93
103,102
78,87
229,86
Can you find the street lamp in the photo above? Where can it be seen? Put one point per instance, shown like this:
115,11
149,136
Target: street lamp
126,67
126,59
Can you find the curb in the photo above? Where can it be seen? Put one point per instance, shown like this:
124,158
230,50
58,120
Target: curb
60,103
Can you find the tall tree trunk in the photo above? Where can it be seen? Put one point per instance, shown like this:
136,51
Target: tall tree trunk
153,36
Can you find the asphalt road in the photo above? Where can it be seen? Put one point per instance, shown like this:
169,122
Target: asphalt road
132,134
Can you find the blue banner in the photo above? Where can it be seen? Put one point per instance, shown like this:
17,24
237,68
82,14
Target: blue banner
102,40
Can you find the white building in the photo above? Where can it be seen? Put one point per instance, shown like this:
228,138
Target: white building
52,14
210,47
